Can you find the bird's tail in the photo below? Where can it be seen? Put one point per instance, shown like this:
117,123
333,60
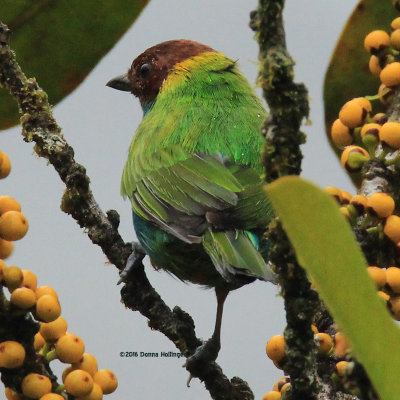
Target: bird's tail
235,252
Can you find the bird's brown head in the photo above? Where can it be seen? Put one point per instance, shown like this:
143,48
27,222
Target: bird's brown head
149,70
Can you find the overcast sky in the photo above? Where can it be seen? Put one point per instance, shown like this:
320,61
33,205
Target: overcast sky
99,123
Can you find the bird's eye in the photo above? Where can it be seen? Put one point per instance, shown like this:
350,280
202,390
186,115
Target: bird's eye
145,69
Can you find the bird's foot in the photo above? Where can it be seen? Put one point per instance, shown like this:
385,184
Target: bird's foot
134,261
204,354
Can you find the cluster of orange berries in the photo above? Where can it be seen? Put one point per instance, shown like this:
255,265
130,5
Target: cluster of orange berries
375,213
384,49
357,131
336,347
25,295
377,217
82,379
13,224
387,282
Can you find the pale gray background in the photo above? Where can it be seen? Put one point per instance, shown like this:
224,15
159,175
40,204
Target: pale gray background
99,123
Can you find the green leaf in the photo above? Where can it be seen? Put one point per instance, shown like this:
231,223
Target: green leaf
326,247
60,41
348,74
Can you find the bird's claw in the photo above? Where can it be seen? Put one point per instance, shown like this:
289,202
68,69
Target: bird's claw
205,353
134,261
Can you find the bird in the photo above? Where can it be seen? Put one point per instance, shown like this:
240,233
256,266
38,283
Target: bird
193,173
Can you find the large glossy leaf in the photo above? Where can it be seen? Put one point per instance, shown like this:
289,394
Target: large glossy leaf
348,75
326,247
60,41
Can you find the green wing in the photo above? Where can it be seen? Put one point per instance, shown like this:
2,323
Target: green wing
205,199
178,195
203,189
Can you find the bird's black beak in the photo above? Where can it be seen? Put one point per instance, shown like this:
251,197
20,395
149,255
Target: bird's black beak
120,82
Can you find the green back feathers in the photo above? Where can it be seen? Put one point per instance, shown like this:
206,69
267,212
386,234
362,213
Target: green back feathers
217,113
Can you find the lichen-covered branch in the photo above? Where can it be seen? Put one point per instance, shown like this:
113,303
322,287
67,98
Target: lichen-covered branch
300,304
287,100
39,126
288,107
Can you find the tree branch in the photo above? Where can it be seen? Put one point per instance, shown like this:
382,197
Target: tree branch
287,100
288,106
